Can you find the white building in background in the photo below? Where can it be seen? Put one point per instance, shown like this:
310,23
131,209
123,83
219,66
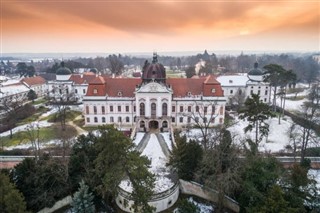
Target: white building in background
154,101
69,86
243,85
37,84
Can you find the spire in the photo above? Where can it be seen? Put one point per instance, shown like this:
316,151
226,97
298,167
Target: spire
155,58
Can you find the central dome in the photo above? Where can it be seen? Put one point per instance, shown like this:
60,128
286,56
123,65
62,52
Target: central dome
153,71
63,70
256,74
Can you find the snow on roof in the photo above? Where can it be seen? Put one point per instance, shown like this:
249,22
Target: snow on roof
233,80
12,90
10,82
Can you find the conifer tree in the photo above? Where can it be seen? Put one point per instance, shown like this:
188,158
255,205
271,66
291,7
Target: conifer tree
83,200
256,113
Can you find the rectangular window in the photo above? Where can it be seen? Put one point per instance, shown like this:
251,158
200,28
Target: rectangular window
205,109
84,91
134,108
189,119
181,119
181,108
127,119
266,92
76,91
212,119
221,110
173,108
189,108
95,119
88,120
196,119
87,109
119,119
173,119
197,108
119,108
258,92
213,109
103,110
111,108
103,119
127,108
231,91
94,109
111,120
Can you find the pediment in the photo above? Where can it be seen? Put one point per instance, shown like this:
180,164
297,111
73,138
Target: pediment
153,87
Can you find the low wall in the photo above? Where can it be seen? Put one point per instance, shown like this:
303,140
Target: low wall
58,205
192,188
161,201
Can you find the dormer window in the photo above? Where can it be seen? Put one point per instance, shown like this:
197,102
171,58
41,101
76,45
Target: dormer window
189,93
95,91
213,90
119,93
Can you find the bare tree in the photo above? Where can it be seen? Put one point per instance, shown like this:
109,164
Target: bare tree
33,134
61,99
203,115
10,106
220,167
115,65
311,110
237,100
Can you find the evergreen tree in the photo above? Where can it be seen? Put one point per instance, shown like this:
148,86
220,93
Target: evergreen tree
32,95
185,157
11,200
256,113
82,201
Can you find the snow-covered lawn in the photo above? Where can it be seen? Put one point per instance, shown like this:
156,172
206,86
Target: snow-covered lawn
278,134
158,167
316,175
39,124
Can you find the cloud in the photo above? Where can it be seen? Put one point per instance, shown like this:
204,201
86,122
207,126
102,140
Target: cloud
142,20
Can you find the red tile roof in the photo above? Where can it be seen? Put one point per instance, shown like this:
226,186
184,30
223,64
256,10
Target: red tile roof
126,86
31,81
82,79
112,87
181,86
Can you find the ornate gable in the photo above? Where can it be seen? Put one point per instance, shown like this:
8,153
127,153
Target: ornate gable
153,87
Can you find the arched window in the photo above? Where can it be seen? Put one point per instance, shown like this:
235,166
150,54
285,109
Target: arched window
164,109
142,109
153,109
165,124
103,119
142,124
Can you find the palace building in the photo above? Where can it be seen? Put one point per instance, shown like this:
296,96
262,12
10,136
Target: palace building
154,101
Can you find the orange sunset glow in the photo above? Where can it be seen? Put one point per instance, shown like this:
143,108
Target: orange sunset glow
133,26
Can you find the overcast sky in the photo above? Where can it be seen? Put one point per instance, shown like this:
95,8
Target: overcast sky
147,25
